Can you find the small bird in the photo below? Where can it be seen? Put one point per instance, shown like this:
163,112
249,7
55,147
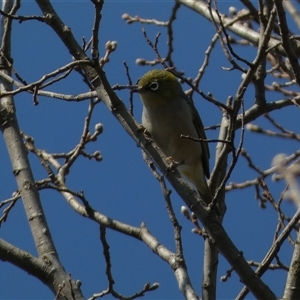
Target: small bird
169,113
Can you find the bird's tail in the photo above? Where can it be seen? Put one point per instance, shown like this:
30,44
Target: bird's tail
199,181
204,191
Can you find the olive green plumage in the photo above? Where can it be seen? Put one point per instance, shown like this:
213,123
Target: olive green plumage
169,113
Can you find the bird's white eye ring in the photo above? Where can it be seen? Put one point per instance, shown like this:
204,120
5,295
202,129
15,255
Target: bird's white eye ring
154,86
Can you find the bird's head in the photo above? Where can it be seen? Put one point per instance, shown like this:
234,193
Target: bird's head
158,87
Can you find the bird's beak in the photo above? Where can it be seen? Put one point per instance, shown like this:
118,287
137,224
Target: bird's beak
135,89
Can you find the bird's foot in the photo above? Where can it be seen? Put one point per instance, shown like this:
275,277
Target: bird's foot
141,127
172,163
146,133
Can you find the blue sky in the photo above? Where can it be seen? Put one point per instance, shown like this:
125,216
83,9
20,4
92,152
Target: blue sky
121,186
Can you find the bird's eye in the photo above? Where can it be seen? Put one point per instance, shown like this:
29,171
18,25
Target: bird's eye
154,86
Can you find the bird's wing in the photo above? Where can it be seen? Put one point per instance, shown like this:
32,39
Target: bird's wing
201,134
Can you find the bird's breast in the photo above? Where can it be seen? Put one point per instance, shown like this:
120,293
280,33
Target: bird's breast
166,127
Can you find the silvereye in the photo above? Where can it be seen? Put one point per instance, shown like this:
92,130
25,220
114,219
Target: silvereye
169,113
